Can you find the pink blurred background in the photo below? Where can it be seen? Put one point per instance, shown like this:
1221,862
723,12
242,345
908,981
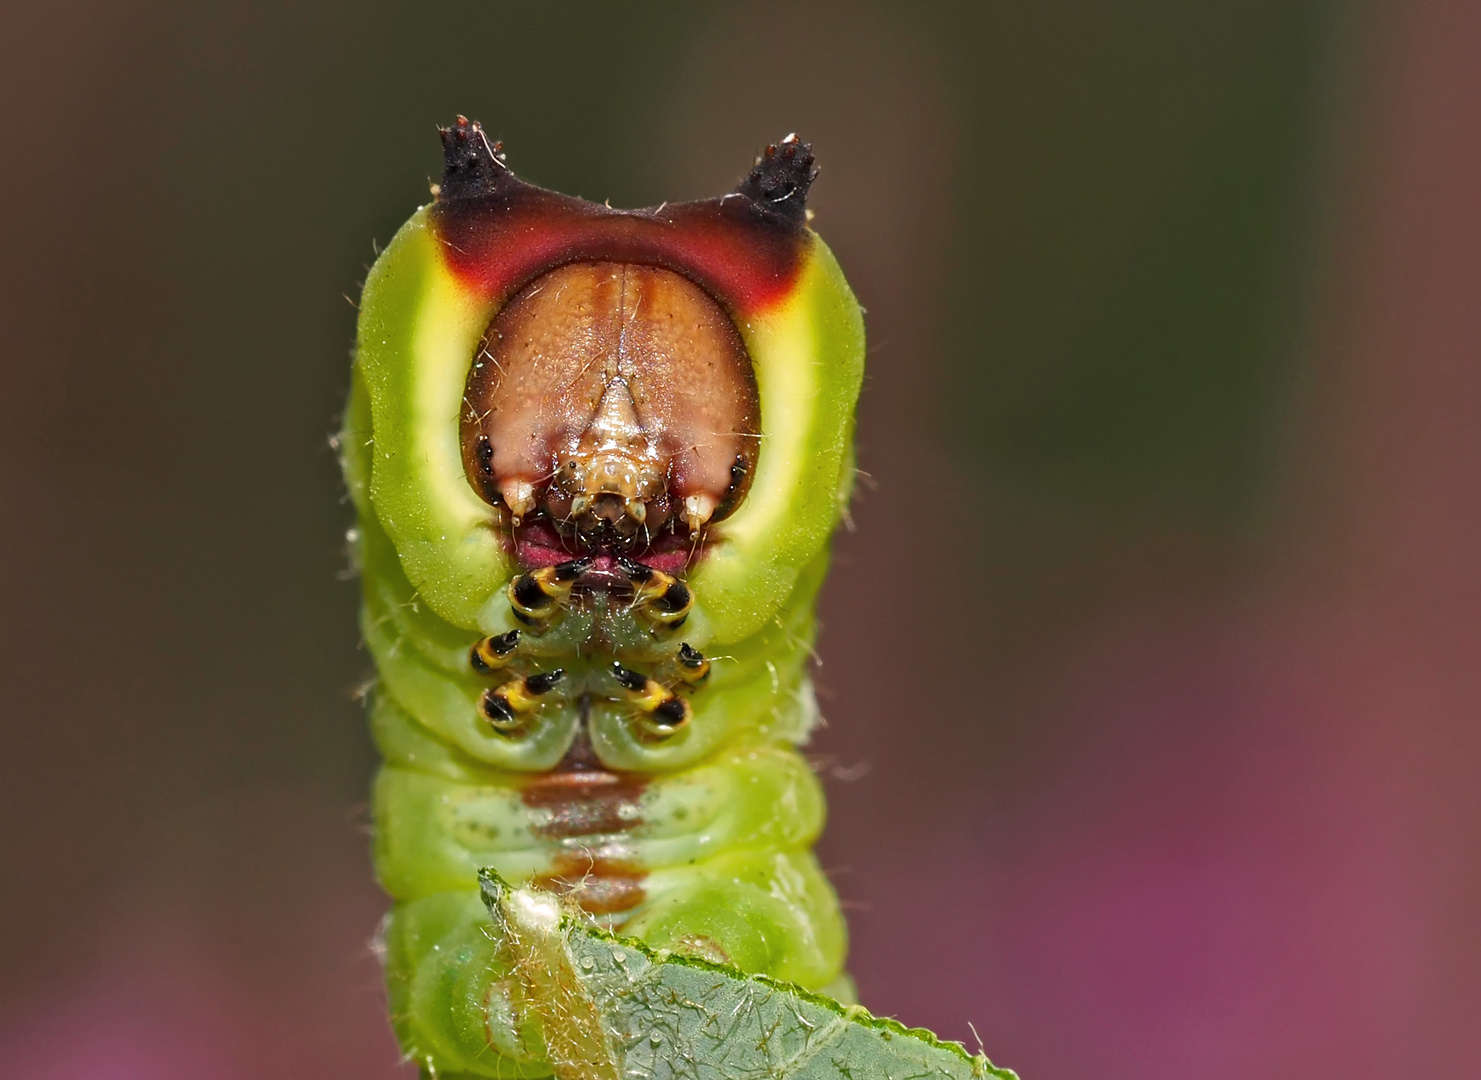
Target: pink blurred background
1175,397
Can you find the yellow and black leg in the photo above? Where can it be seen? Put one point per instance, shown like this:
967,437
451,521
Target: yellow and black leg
538,597
688,668
507,707
492,654
661,598
663,712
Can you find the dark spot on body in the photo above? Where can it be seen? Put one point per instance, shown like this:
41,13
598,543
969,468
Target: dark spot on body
527,592
495,709
671,713
675,597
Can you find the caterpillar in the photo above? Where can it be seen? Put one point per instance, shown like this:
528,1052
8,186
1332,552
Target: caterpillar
596,458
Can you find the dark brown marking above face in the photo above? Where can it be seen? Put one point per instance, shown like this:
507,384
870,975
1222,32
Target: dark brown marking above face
745,248
615,400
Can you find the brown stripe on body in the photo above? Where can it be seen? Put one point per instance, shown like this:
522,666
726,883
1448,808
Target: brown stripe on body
582,798
600,886
584,803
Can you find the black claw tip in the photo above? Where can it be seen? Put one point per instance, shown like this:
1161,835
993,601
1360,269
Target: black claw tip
471,165
569,571
689,656
629,678
545,681
506,643
779,180
635,571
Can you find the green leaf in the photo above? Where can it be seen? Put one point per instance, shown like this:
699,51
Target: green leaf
609,1007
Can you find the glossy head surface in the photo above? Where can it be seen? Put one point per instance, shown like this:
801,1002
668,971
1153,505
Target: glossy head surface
611,407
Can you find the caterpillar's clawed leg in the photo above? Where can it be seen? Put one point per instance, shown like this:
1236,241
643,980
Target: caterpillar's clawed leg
691,665
539,596
505,707
661,598
493,653
687,669
663,712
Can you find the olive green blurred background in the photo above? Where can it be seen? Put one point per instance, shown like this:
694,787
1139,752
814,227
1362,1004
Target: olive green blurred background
1093,781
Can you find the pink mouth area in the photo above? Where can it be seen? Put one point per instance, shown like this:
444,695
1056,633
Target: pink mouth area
537,545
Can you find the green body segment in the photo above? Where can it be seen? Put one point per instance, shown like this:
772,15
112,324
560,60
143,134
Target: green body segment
698,842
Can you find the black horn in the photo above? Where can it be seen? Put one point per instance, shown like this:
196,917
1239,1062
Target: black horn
779,180
471,165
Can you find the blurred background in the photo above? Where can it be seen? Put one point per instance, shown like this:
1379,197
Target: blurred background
1175,392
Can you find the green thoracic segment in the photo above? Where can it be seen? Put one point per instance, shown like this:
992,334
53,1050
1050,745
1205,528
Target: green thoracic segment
698,841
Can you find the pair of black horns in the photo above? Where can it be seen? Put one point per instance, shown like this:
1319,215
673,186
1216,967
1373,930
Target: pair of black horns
777,184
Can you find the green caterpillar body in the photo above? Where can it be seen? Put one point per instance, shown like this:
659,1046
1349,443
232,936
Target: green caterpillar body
596,688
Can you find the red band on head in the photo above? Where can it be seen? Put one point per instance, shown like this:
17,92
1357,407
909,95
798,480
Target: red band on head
496,243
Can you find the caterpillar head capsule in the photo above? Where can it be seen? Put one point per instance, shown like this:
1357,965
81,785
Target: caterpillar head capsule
613,409
542,379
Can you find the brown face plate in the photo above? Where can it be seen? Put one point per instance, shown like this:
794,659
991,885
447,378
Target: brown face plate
614,401
612,406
